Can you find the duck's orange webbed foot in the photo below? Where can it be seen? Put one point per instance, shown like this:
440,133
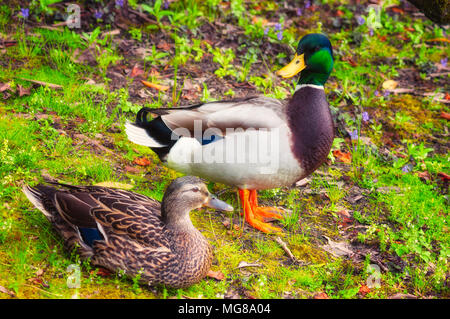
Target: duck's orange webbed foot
255,215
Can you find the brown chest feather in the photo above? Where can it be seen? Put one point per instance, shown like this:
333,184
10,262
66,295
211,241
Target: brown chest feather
312,129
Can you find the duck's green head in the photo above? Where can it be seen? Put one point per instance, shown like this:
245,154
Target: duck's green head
313,60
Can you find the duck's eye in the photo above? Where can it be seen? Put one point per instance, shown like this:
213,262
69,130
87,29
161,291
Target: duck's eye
316,49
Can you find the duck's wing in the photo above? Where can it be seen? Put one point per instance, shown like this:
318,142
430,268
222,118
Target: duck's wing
112,211
220,116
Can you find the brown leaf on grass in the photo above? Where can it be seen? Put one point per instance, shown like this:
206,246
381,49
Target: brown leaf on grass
226,222
364,290
155,86
244,264
39,272
4,87
102,272
136,71
389,84
344,213
6,291
23,91
350,61
50,85
444,115
154,72
142,161
342,157
218,275
444,176
132,169
337,249
424,175
321,295
438,40
163,45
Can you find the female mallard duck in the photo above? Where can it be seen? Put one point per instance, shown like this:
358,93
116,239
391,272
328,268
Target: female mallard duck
252,143
122,230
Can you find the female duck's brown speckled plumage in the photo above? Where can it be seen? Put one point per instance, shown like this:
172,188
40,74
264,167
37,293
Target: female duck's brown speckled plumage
122,230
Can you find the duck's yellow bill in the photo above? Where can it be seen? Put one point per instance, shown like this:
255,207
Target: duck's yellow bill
295,66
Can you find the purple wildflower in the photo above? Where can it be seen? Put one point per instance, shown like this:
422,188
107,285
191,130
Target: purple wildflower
98,14
386,93
119,3
166,5
277,26
444,62
376,93
407,168
299,12
354,135
25,12
307,4
371,32
266,30
365,117
280,35
360,20
355,148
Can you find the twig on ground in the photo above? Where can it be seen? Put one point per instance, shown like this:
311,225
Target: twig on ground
288,251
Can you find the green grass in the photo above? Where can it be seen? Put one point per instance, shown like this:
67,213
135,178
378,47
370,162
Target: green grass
401,217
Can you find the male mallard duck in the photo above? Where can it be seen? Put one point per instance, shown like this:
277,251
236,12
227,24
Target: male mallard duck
122,230
252,143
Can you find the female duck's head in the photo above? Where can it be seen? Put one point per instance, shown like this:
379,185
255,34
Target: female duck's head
313,60
183,195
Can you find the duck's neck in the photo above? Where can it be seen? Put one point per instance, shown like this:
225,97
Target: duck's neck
178,221
311,77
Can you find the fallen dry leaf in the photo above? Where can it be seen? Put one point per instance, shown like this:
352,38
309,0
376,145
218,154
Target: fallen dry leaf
218,275
444,176
115,185
141,161
6,291
4,87
23,91
155,86
244,264
321,295
337,249
389,84
132,169
342,157
39,272
102,272
344,213
444,115
163,45
136,71
226,222
50,85
424,175
350,61
364,290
